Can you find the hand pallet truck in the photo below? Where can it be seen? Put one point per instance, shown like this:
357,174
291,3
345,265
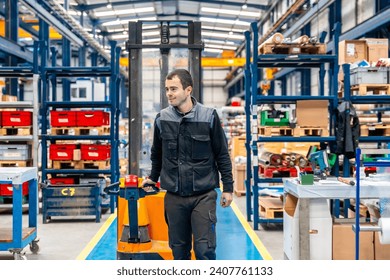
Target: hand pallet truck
142,233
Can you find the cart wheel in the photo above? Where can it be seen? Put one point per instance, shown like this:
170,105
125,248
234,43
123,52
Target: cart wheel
34,247
19,255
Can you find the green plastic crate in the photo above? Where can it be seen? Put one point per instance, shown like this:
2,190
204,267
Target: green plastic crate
274,118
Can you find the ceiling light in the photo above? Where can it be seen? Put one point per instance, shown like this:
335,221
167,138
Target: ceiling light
224,28
150,50
225,21
125,12
220,47
218,42
109,6
125,21
230,12
151,33
119,36
212,50
244,7
223,35
74,13
152,40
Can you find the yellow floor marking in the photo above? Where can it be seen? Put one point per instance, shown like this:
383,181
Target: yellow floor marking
87,250
255,239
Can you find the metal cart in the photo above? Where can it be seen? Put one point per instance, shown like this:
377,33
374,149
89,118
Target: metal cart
15,239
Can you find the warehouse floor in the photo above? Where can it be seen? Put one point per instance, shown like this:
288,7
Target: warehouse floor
70,238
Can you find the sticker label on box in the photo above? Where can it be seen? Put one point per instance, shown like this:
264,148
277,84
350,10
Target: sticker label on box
351,49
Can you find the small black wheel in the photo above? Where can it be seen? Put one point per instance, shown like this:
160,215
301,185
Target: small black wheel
34,247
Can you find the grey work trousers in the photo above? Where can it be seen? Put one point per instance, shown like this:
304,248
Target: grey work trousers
192,218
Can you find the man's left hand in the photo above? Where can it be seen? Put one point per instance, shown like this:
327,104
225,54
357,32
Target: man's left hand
226,199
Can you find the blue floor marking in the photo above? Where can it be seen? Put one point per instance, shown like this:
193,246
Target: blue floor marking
233,242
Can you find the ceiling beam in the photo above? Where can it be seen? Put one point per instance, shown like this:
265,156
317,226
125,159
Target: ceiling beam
13,48
53,21
89,7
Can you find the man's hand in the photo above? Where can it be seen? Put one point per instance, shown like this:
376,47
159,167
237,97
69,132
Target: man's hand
147,181
146,185
226,199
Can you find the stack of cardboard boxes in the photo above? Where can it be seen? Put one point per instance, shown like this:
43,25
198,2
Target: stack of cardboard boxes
368,49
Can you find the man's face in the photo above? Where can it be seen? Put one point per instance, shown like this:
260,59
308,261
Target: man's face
176,95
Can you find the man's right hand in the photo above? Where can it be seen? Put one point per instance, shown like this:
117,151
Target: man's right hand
146,185
147,182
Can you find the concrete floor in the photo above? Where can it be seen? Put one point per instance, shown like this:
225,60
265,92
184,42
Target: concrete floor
64,238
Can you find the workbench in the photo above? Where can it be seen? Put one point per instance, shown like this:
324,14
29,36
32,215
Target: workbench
15,239
320,192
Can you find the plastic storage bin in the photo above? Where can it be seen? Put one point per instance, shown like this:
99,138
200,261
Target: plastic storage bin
7,189
62,181
92,118
15,152
369,75
95,152
63,118
62,151
16,118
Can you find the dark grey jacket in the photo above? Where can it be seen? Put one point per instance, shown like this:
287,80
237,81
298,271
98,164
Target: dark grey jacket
189,151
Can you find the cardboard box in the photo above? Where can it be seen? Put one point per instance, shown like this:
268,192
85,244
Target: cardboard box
320,228
312,113
382,251
239,177
343,245
351,51
376,49
238,147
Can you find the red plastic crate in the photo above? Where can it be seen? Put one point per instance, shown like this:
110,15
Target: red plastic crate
63,118
62,151
7,189
16,118
62,181
95,152
92,118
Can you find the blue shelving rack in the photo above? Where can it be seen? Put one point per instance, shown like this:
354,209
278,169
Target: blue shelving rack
363,99
50,74
253,99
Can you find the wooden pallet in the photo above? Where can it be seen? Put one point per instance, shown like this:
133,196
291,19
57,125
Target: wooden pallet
80,164
311,131
90,130
239,193
275,131
16,131
375,130
292,48
15,163
271,207
364,89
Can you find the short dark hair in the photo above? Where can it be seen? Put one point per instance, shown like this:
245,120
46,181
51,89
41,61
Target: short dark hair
184,77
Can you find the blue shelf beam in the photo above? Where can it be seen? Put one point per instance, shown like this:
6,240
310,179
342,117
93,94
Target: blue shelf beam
289,98
78,171
297,139
79,104
69,71
76,137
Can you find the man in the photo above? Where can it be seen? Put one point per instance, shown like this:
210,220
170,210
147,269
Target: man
189,151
